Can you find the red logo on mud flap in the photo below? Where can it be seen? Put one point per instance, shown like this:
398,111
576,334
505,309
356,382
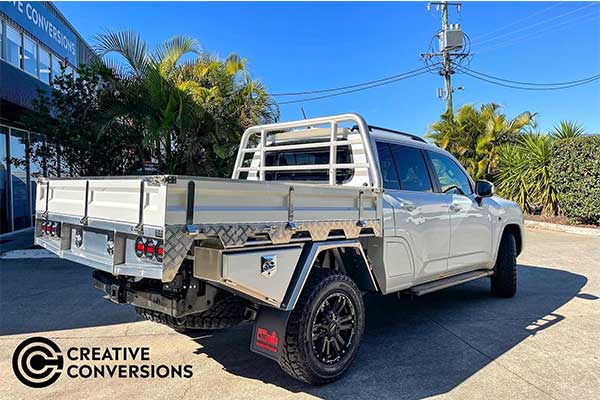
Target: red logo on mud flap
267,340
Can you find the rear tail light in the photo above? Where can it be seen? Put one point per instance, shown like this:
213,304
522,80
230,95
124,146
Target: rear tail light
140,247
159,251
149,249
50,228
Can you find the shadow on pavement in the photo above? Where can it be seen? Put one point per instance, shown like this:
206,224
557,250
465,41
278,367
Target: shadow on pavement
47,294
422,347
411,348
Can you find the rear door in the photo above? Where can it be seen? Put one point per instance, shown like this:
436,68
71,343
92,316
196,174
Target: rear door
470,223
422,227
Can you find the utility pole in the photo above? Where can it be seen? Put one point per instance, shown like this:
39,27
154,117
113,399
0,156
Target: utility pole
446,72
451,46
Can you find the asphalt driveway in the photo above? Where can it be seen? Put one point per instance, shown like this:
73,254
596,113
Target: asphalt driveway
460,343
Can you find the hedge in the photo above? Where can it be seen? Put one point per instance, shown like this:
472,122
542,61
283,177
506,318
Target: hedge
575,172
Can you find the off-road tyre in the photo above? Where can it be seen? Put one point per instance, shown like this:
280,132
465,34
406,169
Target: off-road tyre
225,313
299,357
504,280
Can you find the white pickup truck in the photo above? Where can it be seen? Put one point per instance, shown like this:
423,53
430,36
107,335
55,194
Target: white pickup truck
317,213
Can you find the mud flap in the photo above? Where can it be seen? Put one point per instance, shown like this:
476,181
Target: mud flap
269,332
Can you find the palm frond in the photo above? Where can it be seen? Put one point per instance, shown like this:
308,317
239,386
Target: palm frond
128,44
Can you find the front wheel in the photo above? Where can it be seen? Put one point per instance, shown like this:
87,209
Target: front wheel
504,280
324,330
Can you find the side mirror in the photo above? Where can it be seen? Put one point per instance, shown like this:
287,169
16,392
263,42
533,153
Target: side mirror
484,189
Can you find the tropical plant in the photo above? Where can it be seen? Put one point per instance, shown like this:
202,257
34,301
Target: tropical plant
193,105
524,174
476,136
567,129
78,132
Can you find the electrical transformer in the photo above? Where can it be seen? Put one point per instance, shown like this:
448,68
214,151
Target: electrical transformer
451,39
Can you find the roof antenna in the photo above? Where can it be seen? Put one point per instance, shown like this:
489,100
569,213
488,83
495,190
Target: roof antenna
304,114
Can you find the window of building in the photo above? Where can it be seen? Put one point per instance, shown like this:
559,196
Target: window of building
5,224
44,65
451,177
29,55
19,188
56,66
412,171
1,39
13,46
69,70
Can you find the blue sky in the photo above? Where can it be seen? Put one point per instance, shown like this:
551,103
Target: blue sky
306,46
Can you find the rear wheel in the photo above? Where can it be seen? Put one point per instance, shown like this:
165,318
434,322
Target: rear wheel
324,330
504,280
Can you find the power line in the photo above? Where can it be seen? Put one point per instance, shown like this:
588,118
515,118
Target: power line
527,83
531,35
542,11
567,86
536,24
336,89
399,78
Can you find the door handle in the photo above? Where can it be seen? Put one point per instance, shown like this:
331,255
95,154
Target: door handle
407,206
455,207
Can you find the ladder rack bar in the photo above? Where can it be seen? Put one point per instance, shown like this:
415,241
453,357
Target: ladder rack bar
303,146
332,154
303,167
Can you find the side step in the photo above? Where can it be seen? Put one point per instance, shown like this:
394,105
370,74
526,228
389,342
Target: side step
450,281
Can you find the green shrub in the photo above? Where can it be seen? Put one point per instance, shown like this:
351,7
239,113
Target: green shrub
576,175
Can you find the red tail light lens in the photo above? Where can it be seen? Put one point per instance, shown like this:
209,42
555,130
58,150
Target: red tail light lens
50,228
140,247
150,249
159,251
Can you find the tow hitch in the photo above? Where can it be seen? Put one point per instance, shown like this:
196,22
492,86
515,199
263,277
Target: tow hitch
115,291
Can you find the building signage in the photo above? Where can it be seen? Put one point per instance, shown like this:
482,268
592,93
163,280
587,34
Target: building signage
44,26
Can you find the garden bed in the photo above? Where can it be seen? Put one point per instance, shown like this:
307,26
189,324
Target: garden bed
559,220
560,224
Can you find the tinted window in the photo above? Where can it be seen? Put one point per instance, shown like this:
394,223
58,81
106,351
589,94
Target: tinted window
55,66
411,168
29,55
308,157
44,65
387,166
13,46
451,176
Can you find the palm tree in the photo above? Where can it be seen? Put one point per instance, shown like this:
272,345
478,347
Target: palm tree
567,129
194,106
476,136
